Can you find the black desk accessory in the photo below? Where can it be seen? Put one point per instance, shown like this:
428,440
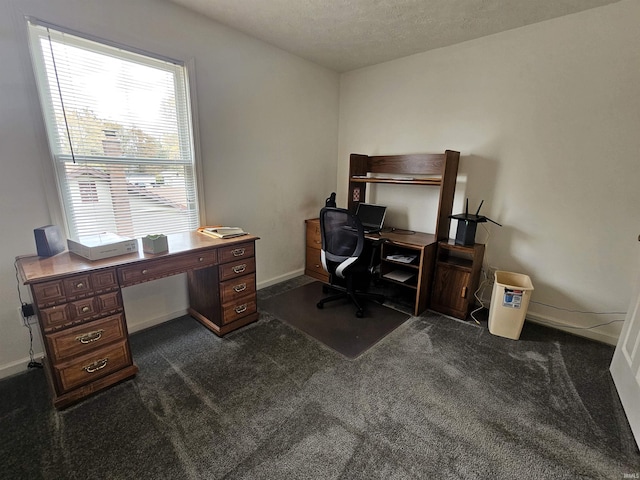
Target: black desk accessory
49,240
331,201
467,224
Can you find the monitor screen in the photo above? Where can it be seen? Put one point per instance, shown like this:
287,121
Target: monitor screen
371,215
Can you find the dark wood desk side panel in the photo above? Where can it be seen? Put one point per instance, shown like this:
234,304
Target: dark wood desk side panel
358,165
447,193
426,280
204,294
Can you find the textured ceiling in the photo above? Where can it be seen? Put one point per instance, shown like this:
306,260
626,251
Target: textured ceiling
347,34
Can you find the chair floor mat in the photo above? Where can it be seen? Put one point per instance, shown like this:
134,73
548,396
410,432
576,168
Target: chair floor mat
335,325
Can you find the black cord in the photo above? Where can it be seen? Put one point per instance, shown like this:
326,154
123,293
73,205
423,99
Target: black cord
578,311
25,321
398,231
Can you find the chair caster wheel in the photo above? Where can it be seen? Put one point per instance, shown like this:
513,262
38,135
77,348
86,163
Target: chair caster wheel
359,314
319,305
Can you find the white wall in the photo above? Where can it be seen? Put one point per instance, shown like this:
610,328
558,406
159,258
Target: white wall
547,120
268,124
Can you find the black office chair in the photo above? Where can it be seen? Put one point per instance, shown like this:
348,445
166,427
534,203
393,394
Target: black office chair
346,256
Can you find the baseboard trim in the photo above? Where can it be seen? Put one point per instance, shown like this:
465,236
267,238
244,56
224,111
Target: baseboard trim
19,366
152,322
574,329
565,326
281,278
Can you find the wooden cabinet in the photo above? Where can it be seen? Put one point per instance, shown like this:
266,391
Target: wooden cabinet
81,315
456,278
313,264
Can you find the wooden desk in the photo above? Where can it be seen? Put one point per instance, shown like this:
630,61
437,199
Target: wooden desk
81,316
422,245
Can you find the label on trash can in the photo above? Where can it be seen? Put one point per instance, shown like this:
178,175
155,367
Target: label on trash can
512,298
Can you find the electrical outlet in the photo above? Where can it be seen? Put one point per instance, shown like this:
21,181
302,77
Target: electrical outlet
32,320
27,310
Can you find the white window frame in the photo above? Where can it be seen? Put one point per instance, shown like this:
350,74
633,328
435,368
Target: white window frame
53,184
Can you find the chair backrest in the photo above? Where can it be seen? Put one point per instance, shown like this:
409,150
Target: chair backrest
342,237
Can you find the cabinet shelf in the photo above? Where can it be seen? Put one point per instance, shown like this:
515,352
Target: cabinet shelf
411,286
398,181
410,266
457,262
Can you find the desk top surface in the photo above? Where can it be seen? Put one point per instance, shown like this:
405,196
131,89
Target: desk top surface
409,238
33,268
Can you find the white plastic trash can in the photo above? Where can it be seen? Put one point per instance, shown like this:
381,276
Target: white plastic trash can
509,303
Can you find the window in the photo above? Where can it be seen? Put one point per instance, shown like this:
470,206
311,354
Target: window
119,128
88,192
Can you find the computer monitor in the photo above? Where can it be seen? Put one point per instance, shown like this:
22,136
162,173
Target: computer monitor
371,216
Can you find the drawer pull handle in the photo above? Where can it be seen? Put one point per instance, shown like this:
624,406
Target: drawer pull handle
239,268
241,308
85,309
90,337
144,272
201,259
240,288
80,285
238,252
95,366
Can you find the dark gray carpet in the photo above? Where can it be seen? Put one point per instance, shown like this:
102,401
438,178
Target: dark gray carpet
435,399
335,325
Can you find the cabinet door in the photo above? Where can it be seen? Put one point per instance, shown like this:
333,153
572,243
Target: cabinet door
451,290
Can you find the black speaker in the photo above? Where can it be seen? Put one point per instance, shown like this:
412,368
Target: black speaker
49,240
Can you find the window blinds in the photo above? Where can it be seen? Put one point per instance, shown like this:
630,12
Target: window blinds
119,128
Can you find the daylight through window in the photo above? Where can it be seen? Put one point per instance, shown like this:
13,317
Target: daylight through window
119,128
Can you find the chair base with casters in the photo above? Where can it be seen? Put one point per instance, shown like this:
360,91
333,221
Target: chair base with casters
349,293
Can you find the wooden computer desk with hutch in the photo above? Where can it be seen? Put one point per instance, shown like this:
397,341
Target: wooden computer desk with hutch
81,315
438,267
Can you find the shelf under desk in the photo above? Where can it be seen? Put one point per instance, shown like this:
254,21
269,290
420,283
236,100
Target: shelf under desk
418,244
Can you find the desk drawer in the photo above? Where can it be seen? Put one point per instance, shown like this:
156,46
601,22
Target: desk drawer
85,338
48,293
237,268
163,267
80,310
74,287
314,263
92,366
240,308
236,252
314,240
236,288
